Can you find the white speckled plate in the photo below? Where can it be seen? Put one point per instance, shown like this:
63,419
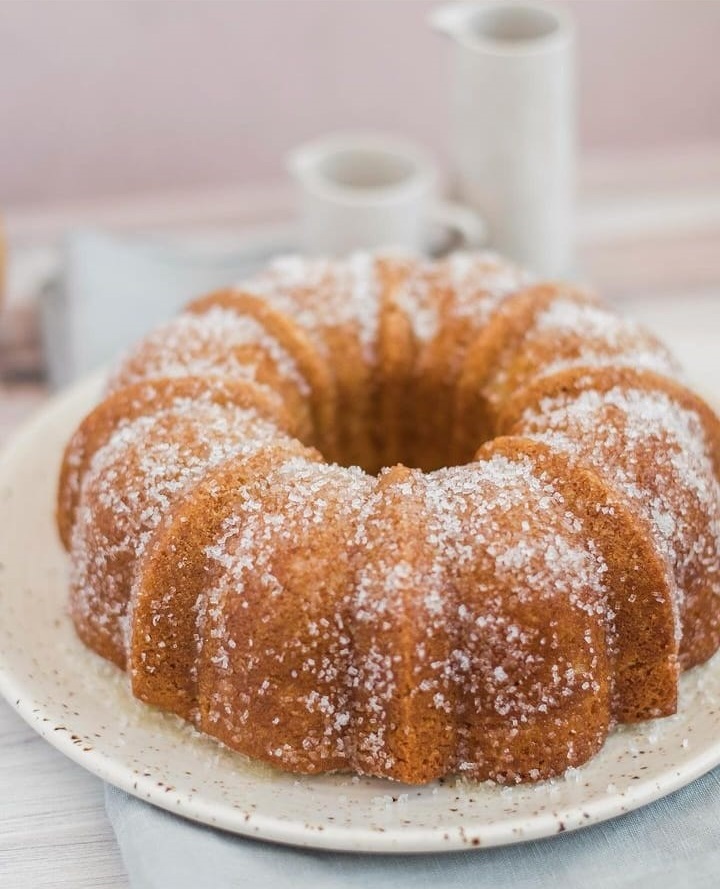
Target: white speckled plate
82,706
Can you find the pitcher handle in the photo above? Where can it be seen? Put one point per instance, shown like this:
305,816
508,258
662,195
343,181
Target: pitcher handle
461,219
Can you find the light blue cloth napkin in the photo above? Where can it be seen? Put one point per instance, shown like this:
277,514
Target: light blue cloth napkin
674,842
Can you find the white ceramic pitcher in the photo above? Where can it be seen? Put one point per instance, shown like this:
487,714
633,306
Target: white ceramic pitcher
513,125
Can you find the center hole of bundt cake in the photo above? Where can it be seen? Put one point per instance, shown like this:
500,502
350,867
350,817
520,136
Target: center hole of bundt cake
418,436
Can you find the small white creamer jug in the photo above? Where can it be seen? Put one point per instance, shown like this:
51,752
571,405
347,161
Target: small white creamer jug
365,190
513,125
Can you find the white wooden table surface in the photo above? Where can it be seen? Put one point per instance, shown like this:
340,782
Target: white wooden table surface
650,237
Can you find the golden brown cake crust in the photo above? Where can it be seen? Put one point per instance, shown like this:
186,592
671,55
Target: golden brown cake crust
220,343
141,399
397,353
668,462
296,342
483,382
133,479
574,381
639,588
490,609
163,647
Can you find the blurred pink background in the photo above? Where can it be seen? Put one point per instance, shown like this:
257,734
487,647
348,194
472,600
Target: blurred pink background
113,98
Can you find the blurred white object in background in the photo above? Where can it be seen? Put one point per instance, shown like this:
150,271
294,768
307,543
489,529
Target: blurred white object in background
360,191
113,289
513,125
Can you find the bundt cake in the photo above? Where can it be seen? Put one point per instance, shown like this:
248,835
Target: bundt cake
398,517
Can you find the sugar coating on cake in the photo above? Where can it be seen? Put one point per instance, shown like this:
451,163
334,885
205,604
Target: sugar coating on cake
321,294
253,550
132,482
205,344
477,284
605,339
384,590
493,619
642,421
656,454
